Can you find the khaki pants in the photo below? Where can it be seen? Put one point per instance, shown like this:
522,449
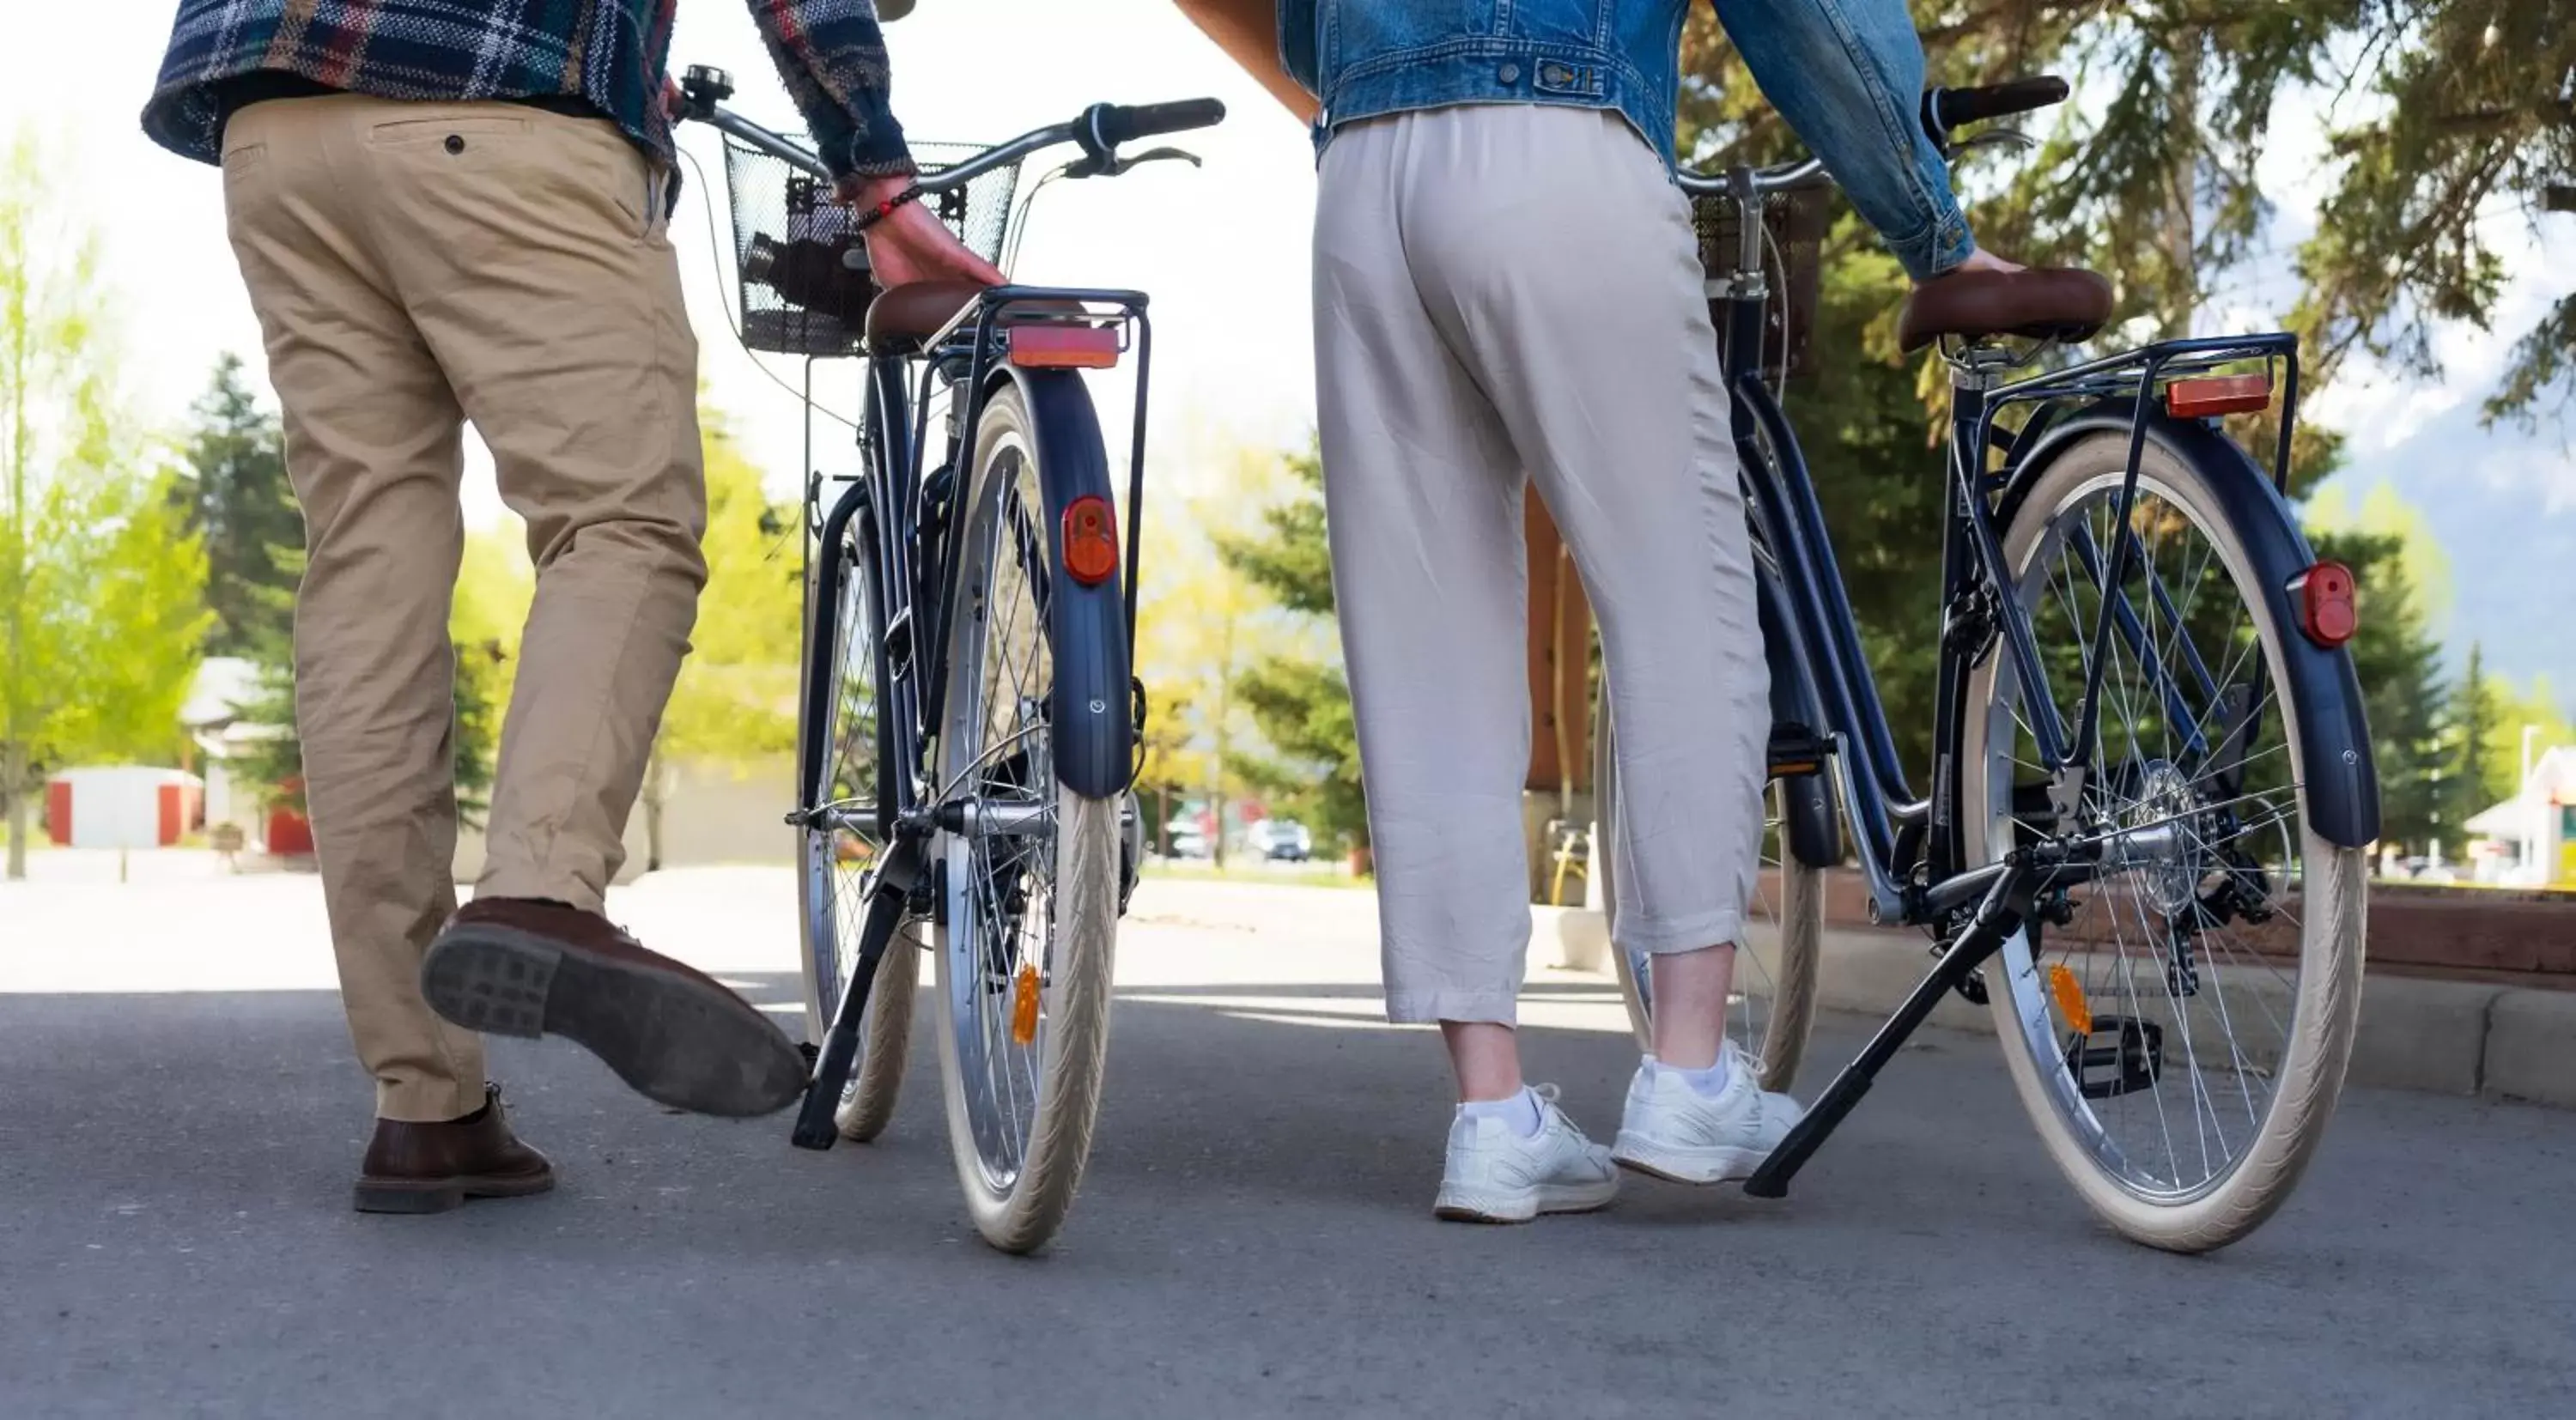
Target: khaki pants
1511,291
415,266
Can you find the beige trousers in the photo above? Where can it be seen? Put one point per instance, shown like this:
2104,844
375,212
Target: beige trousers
1505,292
415,266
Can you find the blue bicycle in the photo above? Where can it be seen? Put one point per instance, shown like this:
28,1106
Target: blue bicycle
968,724
2143,840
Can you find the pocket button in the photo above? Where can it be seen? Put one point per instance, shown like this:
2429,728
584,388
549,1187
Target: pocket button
456,143
1511,74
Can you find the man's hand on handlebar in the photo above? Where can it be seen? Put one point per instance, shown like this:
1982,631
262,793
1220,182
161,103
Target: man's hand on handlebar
910,243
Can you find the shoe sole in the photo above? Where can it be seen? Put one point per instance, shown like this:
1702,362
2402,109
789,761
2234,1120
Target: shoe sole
393,1195
1722,1164
673,1039
1550,1198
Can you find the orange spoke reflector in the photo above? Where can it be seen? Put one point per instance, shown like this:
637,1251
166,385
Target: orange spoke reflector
1024,1006
1090,540
1064,347
2070,998
2327,612
2205,395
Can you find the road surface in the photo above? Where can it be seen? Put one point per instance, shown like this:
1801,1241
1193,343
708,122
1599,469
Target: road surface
179,1121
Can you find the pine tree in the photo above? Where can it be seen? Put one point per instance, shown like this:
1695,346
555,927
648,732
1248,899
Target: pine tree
2399,664
238,501
2472,783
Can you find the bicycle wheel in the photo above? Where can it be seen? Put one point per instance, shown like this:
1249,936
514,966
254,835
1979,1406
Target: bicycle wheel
2230,945
849,775
1775,964
1031,888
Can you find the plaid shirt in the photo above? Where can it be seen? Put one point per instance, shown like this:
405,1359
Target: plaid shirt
608,52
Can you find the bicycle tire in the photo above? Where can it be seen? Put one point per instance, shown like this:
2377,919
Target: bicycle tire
830,900
1019,1174
1795,930
2325,1002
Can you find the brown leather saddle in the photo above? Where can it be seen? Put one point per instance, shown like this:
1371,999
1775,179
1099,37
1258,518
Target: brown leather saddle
2042,303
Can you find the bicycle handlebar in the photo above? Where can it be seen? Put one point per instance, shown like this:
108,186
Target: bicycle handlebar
1113,124
1945,109
1098,132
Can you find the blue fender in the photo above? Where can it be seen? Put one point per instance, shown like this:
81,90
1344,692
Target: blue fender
1092,707
2336,760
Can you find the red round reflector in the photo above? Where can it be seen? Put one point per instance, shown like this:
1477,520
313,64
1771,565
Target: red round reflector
1090,541
2327,613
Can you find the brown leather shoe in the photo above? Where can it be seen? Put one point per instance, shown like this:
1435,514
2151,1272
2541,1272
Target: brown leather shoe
430,1168
518,966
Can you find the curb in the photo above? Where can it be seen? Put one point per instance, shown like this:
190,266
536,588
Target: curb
2416,1033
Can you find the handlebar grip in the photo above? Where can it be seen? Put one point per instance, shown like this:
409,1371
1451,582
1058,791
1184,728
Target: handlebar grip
1945,109
1122,123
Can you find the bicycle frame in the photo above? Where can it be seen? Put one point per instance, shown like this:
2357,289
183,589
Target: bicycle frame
902,512
1907,847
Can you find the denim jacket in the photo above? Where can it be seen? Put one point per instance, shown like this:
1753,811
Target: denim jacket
1847,74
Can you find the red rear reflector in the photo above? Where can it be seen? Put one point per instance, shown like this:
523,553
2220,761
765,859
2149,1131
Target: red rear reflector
2206,395
1090,541
2325,597
1064,347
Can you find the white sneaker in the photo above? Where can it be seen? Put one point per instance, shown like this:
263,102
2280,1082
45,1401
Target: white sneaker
1673,1131
1496,1176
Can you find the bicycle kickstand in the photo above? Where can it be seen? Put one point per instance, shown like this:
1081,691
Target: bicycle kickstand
897,872
1999,914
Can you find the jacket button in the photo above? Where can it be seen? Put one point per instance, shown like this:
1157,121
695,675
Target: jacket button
455,143
1511,74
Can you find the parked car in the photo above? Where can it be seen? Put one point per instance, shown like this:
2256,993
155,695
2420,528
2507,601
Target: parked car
1282,840
1185,839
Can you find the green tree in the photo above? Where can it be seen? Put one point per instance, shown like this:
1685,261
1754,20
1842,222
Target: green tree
237,500
101,586
2469,111
2475,779
735,703
2400,666
1300,702
1201,624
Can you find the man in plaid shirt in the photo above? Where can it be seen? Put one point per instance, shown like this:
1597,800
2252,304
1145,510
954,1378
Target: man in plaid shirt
449,213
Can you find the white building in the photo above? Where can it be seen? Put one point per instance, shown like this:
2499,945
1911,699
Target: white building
2534,832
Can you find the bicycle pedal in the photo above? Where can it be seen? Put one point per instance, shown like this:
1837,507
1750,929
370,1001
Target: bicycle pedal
2133,1059
1795,754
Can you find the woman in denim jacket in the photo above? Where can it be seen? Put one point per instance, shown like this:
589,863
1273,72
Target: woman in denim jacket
1507,286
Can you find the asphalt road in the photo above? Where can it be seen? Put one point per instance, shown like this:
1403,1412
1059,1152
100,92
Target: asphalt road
1254,1237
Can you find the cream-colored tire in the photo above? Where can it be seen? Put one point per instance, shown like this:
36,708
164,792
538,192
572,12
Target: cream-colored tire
1776,964
2241,1124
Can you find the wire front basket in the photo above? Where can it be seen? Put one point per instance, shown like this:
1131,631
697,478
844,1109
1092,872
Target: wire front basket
790,235
1793,224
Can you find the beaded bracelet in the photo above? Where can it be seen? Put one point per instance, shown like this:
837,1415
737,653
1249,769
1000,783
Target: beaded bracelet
885,209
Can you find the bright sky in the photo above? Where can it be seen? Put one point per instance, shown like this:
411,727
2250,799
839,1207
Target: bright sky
1221,249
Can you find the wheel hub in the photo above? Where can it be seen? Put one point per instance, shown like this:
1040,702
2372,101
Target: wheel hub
2170,878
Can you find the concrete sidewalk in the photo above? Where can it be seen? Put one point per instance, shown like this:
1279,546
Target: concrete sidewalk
2417,1032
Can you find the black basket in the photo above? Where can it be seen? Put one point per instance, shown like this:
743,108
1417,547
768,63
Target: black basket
798,297
1792,267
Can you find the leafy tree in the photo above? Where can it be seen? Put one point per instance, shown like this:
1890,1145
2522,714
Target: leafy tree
101,614
735,702
1302,703
1201,624
236,498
